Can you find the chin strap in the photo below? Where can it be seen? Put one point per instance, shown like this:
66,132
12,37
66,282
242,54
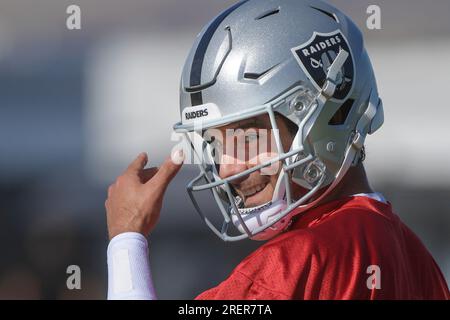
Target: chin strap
256,217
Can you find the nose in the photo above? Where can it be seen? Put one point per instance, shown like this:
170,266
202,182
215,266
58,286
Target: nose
233,162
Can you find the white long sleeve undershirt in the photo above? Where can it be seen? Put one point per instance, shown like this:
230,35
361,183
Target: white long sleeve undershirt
129,275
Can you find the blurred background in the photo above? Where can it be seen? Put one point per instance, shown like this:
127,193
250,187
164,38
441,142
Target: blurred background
77,105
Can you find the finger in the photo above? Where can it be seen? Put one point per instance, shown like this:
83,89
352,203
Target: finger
139,163
146,174
166,173
177,156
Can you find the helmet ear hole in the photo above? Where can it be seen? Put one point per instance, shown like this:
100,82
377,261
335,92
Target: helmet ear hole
342,113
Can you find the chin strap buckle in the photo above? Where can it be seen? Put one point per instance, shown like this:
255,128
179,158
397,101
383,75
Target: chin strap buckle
358,140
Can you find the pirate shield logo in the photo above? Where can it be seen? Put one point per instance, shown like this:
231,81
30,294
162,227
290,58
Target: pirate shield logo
317,55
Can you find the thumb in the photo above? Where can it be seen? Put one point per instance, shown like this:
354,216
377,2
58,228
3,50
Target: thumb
166,172
138,164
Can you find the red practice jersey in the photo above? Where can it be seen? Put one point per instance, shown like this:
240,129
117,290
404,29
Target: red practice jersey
353,248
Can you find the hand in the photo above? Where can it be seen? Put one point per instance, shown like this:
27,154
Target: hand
135,198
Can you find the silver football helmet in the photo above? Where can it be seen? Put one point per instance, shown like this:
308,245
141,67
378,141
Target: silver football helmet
302,59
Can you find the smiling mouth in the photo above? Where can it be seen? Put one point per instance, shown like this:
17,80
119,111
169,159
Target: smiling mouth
249,195
249,192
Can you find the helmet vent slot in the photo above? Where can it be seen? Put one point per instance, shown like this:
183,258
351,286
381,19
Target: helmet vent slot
329,14
268,13
342,113
258,76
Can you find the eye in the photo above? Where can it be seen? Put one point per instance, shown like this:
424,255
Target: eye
216,147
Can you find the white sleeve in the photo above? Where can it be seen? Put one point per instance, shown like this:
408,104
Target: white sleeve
129,276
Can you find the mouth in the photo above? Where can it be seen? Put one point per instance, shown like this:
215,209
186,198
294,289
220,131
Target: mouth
256,195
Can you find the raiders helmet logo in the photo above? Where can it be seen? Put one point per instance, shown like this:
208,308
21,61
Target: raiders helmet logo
317,55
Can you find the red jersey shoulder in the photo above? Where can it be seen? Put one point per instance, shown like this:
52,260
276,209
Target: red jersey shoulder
326,255
294,262
343,235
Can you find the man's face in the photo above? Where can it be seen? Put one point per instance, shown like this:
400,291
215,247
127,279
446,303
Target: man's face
245,144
